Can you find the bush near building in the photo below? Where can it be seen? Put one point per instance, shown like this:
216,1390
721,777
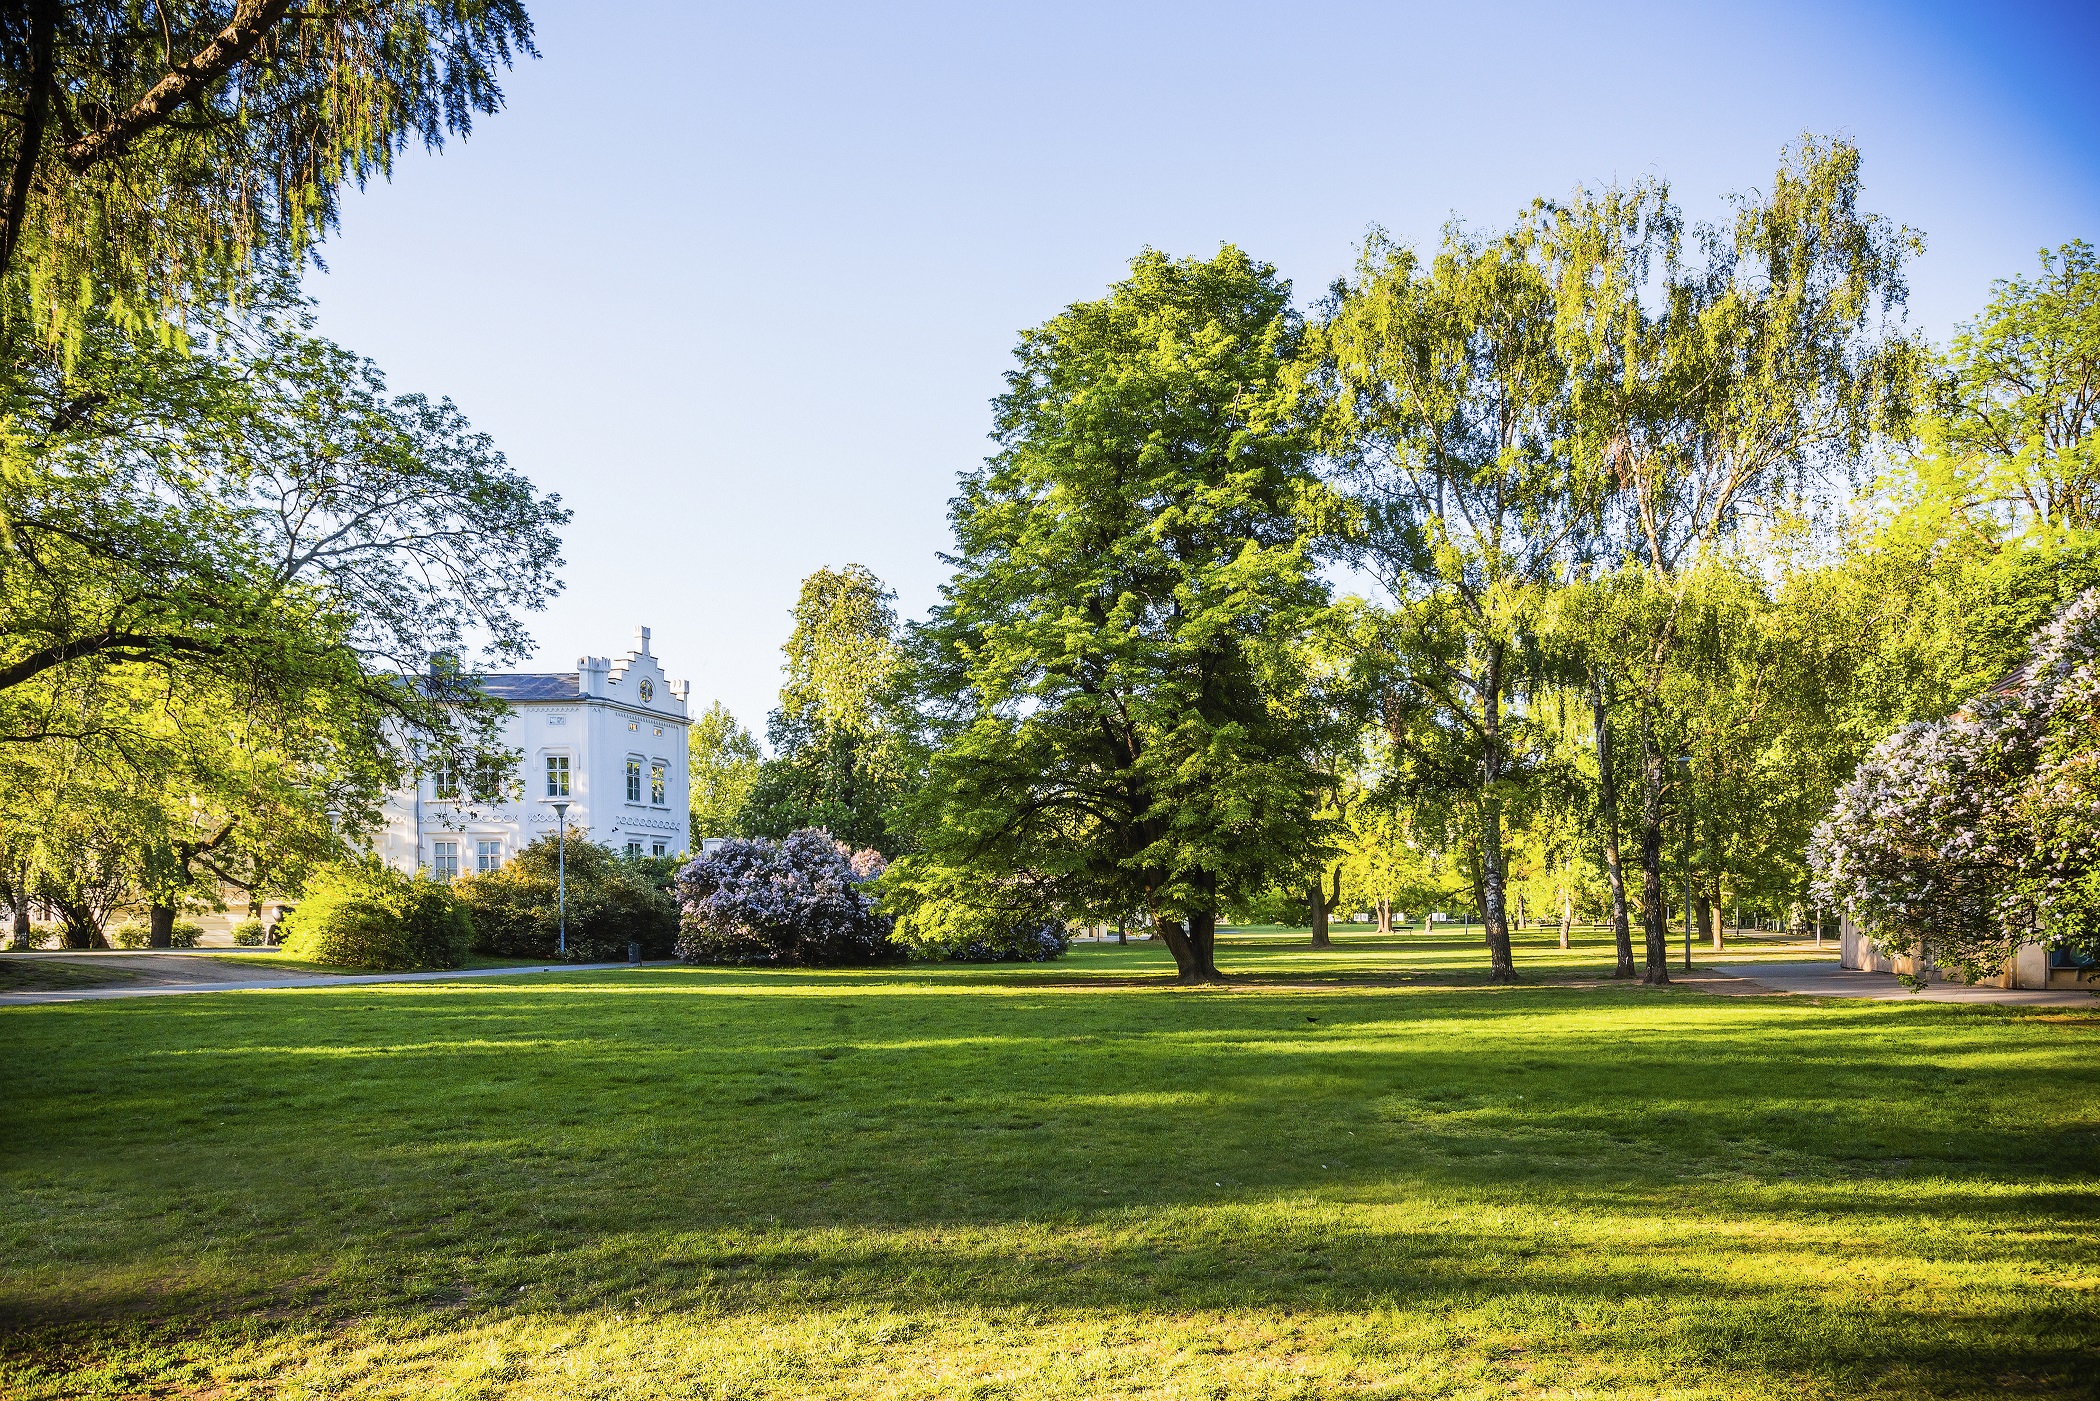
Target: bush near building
613,901
365,914
799,900
136,934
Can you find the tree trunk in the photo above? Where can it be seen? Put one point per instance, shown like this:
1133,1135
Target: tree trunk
1122,931
1706,917
1501,967
1654,917
1385,915
1567,914
1203,944
160,927
1608,812
1323,905
36,106
1192,946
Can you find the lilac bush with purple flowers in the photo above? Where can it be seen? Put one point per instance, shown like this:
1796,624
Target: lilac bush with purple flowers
1960,839
799,900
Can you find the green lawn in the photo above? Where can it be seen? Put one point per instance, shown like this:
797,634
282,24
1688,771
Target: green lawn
1061,1183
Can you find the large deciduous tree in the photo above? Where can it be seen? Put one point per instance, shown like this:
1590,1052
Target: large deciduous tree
2012,431
263,517
1712,389
1112,671
844,755
724,762
1444,390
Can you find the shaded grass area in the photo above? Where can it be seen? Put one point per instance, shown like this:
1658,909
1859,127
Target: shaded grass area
46,974
1046,1182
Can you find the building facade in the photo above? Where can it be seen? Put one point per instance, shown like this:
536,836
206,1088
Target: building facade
2033,964
608,739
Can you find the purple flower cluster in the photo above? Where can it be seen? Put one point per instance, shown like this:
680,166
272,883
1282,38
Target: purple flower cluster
1961,839
798,900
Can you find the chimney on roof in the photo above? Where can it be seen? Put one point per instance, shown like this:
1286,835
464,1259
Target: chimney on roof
641,641
590,675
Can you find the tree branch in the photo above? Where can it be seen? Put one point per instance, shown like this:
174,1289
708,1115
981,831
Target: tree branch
185,82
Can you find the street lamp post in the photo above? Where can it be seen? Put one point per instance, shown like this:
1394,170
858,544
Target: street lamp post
561,880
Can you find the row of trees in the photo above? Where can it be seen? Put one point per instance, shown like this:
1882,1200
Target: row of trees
224,543
1572,567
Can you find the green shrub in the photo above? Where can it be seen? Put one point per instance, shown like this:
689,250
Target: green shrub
365,914
138,934
249,933
613,901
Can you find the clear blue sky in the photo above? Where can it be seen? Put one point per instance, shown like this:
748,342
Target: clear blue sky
738,282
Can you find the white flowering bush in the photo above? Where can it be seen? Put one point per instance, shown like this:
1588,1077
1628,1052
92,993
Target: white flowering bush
1960,839
800,900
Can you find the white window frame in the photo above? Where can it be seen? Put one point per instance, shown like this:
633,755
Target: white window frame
659,783
444,860
488,855
558,765
634,778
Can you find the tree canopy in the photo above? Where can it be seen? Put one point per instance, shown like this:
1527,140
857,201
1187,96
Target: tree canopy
164,159
1111,671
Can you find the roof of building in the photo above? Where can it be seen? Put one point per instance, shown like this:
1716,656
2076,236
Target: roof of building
533,686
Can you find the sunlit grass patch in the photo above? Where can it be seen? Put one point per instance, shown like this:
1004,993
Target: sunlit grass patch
1065,1181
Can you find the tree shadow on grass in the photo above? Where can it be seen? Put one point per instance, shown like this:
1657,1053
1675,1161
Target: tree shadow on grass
816,1142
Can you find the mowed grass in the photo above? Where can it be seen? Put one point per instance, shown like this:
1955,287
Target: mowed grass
1061,1182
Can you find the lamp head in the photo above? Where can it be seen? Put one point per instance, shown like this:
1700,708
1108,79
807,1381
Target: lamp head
561,810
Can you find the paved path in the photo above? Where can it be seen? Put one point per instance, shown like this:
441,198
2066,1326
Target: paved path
1829,980
289,980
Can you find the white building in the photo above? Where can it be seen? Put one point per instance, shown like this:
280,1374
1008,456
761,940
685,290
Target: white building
608,738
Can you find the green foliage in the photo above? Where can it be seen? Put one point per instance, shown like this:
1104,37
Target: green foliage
613,900
845,757
1713,391
1442,412
723,762
842,655
135,934
1113,672
168,157
2011,435
215,571
365,914
249,934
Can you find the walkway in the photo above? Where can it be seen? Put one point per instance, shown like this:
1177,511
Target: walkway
259,980
1829,980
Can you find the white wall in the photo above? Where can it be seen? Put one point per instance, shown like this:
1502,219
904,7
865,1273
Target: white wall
598,732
